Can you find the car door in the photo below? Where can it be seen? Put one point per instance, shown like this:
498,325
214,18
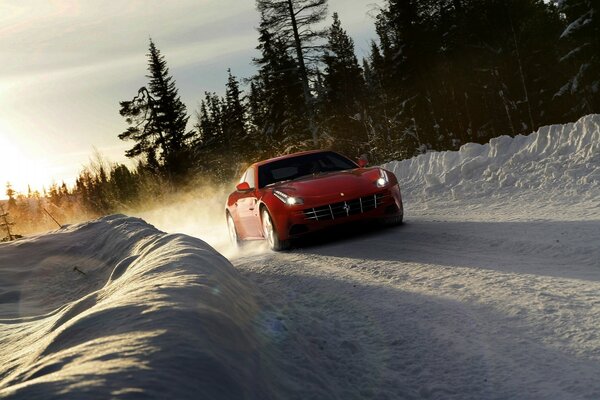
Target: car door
247,208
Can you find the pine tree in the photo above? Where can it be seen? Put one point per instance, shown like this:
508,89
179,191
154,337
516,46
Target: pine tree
222,138
294,22
11,193
158,119
234,116
123,186
221,128
276,95
6,224
343,91
582,36
210,122
400,121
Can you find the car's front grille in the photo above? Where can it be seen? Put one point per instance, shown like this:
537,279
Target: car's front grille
345,208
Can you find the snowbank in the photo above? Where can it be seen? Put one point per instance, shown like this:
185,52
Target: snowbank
560,161
115,308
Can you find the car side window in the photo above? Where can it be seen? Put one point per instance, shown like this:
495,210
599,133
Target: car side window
243,178
249,177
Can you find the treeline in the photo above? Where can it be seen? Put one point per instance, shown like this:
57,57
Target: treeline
439,74
25,213
100,189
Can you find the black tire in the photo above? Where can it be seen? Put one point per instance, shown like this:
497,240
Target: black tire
270,233
394,221
234,239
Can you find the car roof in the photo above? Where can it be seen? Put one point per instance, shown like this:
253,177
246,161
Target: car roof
301,153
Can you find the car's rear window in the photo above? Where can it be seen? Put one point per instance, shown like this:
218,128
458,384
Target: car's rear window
299,166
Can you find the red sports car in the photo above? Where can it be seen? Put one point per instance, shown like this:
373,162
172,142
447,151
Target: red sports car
286,197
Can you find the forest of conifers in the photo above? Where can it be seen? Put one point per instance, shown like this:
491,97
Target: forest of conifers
439,74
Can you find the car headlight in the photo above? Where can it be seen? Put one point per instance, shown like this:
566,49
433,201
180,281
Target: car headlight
383,180
287,199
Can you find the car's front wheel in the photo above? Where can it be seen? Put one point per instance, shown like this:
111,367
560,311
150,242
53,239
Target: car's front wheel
233,236
395,220
270,233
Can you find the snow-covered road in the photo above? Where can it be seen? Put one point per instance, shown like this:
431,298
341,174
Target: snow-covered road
442,309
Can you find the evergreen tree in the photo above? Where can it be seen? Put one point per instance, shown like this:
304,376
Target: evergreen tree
343,91
294,22
6,225
402,120
212,146
222,139
582,37
123,186
210,120
11,194
234,116
276,95
158,119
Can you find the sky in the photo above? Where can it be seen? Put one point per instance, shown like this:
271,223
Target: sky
66,64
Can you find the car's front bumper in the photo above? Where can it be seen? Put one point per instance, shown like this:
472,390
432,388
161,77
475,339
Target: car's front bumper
380,204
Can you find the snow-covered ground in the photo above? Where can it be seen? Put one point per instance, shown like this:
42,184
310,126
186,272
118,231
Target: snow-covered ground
490,290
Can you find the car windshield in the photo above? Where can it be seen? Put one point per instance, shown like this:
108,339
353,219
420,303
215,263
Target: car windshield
297,167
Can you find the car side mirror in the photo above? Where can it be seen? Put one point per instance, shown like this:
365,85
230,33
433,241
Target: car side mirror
363,161
243,187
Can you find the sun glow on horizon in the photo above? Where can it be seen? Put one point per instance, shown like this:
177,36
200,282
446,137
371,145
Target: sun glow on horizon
38,165
19,169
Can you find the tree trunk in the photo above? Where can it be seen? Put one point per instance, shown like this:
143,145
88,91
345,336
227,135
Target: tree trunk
522,75
303,75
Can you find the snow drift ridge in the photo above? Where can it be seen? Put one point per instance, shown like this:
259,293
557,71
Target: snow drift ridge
116,308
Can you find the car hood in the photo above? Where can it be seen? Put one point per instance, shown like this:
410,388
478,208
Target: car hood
356,182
